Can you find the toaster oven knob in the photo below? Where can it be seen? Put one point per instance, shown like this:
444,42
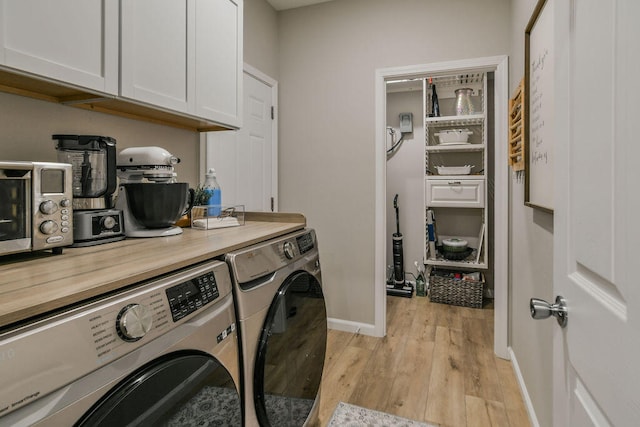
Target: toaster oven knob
48,227
48,207
65,203
133,322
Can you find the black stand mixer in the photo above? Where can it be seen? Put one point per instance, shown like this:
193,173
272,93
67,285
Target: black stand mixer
93,161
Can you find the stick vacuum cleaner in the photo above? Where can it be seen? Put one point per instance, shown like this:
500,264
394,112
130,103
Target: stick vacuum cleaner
398,286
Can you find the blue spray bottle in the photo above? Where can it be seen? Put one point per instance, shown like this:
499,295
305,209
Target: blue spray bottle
212,188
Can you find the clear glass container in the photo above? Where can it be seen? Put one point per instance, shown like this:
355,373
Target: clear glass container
93,163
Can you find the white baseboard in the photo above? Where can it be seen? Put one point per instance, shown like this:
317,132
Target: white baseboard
523,388
349,326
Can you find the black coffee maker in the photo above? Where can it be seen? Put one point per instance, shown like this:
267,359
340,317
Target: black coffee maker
93,161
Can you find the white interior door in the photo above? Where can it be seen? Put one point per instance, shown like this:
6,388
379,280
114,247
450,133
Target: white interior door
596,226
246,160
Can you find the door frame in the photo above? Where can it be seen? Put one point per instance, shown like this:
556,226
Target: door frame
273,84
500,66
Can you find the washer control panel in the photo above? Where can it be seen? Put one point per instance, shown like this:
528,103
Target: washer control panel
305,242
192,295
255,262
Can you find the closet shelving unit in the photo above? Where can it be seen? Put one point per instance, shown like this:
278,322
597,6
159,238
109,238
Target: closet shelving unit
459,202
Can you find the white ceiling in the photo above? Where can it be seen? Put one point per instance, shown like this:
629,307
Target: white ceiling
290,4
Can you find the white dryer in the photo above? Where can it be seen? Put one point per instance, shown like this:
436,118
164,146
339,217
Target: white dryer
282,320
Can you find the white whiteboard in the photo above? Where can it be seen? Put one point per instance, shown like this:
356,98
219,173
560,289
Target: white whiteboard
539,91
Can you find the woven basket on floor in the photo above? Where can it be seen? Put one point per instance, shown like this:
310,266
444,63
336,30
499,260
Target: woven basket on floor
466,293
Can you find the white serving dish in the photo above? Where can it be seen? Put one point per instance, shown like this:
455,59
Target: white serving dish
454,170
454,136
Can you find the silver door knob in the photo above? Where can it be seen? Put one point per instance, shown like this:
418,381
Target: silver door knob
540,309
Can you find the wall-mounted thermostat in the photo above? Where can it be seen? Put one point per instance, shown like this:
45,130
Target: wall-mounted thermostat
406,122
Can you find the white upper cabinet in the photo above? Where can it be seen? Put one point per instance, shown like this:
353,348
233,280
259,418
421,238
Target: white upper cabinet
71,41
156,53
184,56
174,61
218,70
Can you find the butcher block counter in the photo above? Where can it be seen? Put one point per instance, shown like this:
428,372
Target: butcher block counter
32,285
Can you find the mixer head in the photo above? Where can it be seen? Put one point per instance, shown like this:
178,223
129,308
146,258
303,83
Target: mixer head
154,164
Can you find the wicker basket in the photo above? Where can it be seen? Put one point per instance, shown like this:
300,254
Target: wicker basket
448,290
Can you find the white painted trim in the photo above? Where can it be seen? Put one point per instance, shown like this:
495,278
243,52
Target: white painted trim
352,327
501,210
251,70
202,160
499,64
380,213
533,419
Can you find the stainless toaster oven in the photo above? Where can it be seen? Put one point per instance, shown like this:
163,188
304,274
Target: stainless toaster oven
35,206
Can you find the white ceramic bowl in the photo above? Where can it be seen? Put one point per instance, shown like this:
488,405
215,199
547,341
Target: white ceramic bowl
454,170
454,136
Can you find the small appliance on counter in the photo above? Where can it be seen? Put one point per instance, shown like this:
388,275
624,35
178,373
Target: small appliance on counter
93,159
35,206
149,196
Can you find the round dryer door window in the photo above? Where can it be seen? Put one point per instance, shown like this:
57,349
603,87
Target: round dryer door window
291,351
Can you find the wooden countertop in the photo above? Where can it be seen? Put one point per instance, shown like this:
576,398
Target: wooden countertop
34,284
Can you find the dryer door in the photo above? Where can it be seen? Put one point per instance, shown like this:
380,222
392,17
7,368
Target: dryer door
183,388
290,356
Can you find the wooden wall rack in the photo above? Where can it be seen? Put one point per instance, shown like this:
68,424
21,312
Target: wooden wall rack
517,129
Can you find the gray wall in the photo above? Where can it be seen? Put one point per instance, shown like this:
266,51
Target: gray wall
26,126
531,254
328,56
405,177
261,37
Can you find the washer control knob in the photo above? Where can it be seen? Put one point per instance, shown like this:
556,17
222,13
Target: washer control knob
133,322
288,250
48,207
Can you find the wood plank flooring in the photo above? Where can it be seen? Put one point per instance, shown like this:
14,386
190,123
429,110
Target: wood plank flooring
436,364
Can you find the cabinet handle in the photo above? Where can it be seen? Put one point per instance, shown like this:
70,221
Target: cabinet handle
455,182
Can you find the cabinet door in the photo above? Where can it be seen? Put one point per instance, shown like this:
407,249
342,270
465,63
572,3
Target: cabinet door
72,41
218,50
156,53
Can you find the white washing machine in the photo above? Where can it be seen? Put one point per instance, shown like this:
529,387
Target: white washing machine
282,321
163,353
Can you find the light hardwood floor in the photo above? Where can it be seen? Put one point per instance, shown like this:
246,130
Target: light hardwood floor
436,364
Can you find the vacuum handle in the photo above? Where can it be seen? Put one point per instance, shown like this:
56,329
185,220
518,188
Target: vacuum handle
395,205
